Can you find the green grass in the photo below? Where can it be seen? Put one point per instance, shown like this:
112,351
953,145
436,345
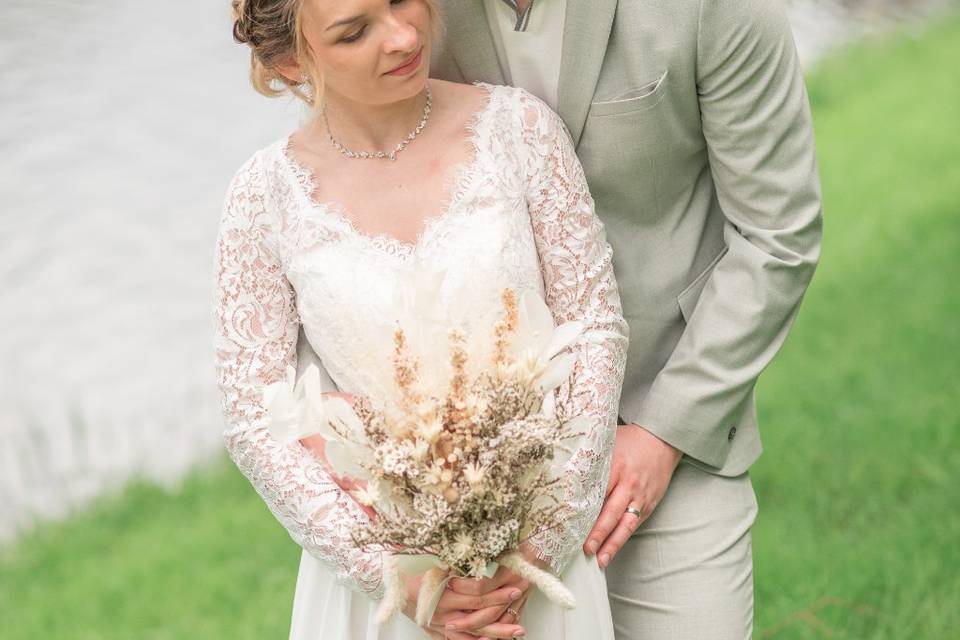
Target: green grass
208,561
859,504
859,527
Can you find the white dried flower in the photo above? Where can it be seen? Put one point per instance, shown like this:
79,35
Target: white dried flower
463,546
432,475
426,408
420,449
473,473
369,495
476,403
430,429
478,567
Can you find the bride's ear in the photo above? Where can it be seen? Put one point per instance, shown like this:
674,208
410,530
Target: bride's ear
290,70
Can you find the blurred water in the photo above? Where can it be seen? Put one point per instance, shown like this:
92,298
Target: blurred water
120,125
820,26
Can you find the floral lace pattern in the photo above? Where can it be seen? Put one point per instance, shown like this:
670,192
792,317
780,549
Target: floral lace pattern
256,328
577,269
519,214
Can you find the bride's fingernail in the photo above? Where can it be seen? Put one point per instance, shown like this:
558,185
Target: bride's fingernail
519,633
592,546
516,593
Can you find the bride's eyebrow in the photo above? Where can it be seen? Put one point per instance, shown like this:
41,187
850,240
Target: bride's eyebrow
343,21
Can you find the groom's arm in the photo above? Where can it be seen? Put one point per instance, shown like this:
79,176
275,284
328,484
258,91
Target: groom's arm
759,134
757,125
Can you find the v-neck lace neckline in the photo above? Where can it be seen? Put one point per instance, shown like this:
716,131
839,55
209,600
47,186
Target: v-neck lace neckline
457,181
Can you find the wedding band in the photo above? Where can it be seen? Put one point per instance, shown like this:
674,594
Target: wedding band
635,512
516,614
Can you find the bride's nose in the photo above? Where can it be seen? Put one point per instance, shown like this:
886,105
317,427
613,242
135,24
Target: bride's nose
402,38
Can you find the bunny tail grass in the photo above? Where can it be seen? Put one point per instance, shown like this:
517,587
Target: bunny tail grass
393,594
433,581
548,583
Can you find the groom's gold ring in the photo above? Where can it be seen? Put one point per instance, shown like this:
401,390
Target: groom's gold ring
514,612
635,512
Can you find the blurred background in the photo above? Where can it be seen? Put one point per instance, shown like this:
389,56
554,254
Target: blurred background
120,517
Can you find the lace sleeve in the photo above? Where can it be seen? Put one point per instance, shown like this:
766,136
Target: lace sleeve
255,338
579,281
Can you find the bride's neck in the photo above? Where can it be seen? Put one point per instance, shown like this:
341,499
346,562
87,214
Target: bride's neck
365,127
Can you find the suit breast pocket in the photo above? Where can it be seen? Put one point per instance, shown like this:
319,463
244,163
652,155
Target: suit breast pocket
623,145
632,100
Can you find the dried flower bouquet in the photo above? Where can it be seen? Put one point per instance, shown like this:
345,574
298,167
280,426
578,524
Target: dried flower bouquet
458,476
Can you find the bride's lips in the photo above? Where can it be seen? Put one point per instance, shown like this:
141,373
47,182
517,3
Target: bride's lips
409,66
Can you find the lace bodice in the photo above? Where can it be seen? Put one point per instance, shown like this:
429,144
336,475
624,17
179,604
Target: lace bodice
518,214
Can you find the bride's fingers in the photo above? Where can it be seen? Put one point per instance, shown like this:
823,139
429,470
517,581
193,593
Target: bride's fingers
501,630
480,586
449,635
613,508
475,620
460,602
509,617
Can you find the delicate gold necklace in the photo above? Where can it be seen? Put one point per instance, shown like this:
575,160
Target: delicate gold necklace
381,154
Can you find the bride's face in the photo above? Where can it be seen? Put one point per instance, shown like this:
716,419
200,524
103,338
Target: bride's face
359,44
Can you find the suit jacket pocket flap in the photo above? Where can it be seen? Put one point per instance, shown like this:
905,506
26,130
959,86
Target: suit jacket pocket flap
688,297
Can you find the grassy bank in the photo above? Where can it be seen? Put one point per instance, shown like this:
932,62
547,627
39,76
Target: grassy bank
859,528
859,521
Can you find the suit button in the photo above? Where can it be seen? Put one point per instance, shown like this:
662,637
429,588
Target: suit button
733,432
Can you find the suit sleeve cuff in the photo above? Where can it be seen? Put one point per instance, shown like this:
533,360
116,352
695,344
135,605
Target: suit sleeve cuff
688,425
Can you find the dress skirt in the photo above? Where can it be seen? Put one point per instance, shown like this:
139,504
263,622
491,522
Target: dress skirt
326,610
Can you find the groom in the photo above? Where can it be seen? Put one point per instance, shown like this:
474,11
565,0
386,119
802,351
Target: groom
691,121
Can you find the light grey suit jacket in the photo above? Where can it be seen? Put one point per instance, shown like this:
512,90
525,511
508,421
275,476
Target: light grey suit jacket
692,123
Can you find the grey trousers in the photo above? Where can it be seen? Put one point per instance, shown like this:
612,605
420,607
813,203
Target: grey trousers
687,572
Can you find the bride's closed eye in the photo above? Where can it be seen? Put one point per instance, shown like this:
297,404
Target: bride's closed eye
359,33
355,36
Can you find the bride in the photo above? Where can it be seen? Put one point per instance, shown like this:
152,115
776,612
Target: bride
395,172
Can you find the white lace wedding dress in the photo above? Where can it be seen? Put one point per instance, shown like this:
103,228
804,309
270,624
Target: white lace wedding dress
518,214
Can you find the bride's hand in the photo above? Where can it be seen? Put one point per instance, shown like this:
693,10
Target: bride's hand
316,444
509,615
488,607
491,621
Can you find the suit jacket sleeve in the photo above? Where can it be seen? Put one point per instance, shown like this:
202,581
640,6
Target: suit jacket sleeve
757,125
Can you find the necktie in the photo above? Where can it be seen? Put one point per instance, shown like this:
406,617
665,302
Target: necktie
523,19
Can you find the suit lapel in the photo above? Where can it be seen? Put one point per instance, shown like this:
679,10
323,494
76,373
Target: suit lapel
468,39
586,30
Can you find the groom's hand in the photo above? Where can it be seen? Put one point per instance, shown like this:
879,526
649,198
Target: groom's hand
640,473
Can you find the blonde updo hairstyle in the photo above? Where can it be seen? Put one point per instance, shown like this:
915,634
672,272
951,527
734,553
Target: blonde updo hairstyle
273,29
